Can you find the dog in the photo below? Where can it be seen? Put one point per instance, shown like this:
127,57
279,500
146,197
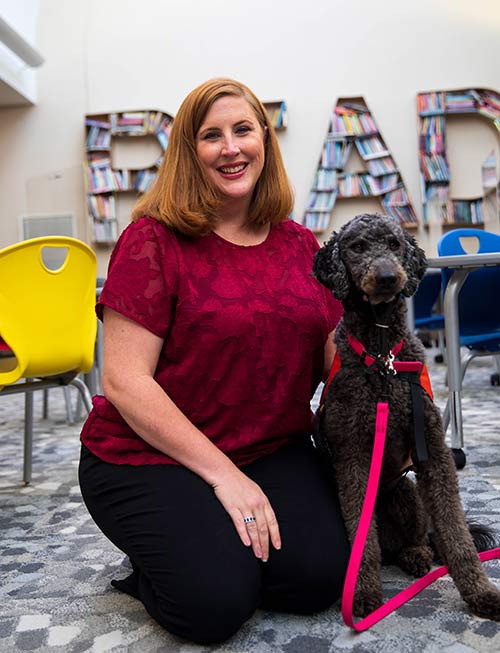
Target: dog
370,265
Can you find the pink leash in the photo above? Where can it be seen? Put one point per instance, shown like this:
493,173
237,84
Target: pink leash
360,540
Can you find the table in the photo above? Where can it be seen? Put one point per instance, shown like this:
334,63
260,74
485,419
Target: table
462,265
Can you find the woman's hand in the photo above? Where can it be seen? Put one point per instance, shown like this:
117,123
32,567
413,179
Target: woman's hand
243,498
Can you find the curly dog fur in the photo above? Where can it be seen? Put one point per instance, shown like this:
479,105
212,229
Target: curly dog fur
369,264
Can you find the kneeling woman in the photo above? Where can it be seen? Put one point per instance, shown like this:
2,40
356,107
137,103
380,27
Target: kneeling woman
197,462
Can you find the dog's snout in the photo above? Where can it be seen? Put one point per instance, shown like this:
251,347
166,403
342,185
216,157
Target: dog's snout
385,272
386,278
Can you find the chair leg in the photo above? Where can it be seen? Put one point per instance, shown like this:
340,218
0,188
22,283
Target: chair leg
441,345
446,416
45,410
464,364
69,409
28,436
78,407
90,381
84,392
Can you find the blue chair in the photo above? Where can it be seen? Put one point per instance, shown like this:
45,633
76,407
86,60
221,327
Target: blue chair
427,310
478,302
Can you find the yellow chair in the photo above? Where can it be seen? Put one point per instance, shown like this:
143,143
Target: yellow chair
47,319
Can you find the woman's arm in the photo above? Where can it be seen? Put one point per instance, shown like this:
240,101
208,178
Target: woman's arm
330,349
130,358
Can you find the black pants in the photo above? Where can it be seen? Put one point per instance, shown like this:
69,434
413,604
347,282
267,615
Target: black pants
191,570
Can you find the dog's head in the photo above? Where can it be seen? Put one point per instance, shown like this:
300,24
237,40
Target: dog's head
373,255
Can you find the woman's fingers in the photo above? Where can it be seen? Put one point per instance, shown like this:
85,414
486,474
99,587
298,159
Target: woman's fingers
251,513
254,532
274,530
241,527
262,527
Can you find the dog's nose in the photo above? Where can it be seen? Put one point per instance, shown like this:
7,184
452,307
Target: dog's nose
386,278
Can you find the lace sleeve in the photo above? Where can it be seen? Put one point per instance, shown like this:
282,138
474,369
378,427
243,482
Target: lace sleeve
143,276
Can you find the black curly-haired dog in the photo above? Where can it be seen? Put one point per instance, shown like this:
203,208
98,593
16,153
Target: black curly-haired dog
369,265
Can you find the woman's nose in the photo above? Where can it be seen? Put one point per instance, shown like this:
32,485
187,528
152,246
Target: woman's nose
230,146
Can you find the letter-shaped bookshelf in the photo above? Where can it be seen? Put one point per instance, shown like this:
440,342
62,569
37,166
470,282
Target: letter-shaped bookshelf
352,125
102,181
439,207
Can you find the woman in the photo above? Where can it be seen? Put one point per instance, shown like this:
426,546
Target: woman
197,462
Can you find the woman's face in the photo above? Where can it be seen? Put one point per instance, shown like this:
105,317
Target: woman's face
230,147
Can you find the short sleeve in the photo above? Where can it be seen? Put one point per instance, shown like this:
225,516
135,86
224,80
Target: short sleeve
143,276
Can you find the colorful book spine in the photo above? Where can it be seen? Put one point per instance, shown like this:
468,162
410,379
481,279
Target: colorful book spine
317,221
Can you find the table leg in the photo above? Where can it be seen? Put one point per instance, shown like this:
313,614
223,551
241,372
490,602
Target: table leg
452,333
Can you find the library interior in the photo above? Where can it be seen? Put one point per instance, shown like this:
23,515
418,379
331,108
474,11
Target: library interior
389,109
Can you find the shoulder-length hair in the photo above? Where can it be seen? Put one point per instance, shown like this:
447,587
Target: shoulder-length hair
183,197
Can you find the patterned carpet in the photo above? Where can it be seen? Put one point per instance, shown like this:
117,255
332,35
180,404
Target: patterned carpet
55,566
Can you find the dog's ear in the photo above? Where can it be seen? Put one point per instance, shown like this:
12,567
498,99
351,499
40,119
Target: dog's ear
415,264
330,270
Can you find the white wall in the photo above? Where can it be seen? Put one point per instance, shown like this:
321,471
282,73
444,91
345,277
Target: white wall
104,55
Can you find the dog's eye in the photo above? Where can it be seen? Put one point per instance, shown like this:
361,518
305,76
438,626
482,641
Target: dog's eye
358,247
394,244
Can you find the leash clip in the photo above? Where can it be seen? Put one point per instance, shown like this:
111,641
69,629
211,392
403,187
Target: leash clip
388,364
385,365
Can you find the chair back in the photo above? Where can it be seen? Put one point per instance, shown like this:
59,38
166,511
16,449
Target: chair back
47,313
426,301
479,298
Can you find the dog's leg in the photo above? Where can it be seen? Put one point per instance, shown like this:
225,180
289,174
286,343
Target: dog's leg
403,528
438,485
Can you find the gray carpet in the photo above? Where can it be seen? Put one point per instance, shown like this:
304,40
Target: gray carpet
56,567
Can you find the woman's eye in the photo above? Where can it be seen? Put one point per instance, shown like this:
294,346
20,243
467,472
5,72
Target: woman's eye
242,130
210,136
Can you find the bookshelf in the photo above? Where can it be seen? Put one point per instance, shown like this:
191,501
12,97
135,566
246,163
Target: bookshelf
352,128
278,114
103,182
438,206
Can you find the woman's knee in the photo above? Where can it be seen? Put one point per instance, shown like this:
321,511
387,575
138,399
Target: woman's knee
208,619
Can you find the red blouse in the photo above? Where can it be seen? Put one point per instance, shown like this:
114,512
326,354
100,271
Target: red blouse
244,330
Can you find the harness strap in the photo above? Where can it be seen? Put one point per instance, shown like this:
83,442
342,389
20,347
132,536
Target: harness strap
411,372
417,375
369,359
362,533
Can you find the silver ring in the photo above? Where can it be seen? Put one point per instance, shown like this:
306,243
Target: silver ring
249,520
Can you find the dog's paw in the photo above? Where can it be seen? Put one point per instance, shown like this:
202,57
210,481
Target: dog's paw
366,602
486,604
416,560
